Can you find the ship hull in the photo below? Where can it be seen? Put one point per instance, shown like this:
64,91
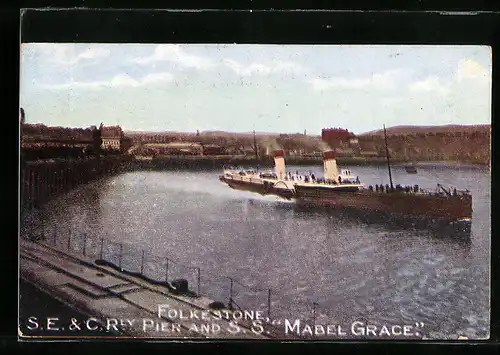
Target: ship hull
263,188
444,228
414,205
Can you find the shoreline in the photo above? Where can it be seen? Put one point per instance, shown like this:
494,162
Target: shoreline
221,161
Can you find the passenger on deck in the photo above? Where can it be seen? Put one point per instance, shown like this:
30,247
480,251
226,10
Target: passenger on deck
357,179
313,178
340,180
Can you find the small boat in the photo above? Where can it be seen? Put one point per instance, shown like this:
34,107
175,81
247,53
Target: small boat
411,169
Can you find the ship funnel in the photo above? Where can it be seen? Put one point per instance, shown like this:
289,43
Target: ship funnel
279,163
331,171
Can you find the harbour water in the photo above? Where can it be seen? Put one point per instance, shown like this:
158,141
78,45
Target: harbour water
352,267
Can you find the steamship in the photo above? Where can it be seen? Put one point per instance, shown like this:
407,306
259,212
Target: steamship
343,189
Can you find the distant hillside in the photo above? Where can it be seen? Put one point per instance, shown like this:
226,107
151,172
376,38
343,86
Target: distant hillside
430,129
468,144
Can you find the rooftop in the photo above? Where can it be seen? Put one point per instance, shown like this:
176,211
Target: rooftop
111,132
175,145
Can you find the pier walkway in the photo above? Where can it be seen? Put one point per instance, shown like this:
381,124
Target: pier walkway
120,303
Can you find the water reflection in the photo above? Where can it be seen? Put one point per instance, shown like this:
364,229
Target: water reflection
459,232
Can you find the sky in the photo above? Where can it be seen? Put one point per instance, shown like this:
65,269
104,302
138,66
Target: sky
245,87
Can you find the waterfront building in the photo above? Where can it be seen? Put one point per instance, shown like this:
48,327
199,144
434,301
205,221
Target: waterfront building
336,137
47,142
111,138
353,141
173,148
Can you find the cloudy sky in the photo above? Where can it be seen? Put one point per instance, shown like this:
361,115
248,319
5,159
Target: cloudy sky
269,88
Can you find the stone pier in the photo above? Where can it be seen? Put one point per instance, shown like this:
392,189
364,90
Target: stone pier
42,180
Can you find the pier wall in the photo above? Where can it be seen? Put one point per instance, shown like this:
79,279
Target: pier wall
42,180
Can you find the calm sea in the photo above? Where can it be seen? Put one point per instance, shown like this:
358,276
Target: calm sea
353,268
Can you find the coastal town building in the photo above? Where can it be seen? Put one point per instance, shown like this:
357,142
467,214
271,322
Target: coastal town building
336,137
173,148
39,141
111,138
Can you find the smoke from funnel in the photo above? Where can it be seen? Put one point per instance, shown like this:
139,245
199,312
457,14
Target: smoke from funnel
324,146
271,145
279,163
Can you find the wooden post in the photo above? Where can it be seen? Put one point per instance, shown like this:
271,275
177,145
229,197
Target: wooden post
142,263
56,181
199,281
71,177
49,180
102,247
269,303
84,244
231,294
43,177
28,178
46,181
52,179
64,182
38,185
121,255
166,271
69,240
35,186
31,187
314,313
387,155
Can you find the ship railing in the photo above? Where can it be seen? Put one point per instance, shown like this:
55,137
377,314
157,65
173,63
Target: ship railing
406,189
229,169
463,192
451,191
443,193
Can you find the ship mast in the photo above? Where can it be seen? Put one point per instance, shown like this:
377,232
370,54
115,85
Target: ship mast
255,146
387,155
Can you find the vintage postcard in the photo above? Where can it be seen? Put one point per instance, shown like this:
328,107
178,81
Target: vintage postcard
252,191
